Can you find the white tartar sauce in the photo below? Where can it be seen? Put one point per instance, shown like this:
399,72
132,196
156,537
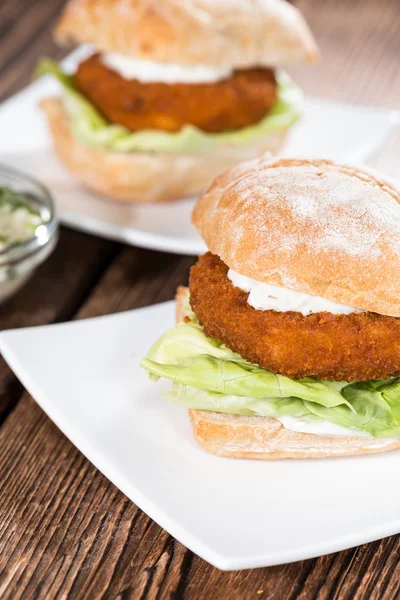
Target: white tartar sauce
18,218
321,428
264,296
147,71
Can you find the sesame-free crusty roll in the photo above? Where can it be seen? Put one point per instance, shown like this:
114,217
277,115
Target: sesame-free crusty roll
311,226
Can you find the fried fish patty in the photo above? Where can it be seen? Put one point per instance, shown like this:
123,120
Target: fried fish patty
354,347
241,100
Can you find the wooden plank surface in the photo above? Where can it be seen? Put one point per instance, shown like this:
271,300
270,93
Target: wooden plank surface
65,531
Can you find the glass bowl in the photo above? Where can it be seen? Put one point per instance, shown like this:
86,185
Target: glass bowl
19,261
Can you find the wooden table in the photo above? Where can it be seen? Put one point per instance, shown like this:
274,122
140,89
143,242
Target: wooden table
67,532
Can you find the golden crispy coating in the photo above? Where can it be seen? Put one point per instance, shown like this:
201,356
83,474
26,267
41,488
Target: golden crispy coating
355,347
233,103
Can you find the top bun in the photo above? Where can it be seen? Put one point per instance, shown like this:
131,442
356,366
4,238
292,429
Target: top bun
311,226
233,33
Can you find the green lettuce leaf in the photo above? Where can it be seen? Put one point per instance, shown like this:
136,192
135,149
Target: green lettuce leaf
371,411
209,376
91,128
186,355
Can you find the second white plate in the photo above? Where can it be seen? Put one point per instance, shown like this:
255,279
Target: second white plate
329,129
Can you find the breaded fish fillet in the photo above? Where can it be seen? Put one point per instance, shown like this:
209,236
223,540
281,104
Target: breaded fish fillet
354,347
238,101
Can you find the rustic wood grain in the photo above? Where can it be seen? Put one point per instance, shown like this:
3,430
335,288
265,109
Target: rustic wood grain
65,531
26,36
360,46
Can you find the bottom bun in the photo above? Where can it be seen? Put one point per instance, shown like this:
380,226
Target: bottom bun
146,177
265,438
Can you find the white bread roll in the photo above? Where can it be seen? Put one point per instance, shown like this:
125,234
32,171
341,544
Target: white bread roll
146,176
311,226
233,33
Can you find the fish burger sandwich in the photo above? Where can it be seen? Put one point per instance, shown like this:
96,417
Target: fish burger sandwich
288,344
173,92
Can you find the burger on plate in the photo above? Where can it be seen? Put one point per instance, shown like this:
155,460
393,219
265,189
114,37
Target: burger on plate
289,340
173,92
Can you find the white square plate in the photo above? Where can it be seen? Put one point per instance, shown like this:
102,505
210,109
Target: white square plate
235,514
329,129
